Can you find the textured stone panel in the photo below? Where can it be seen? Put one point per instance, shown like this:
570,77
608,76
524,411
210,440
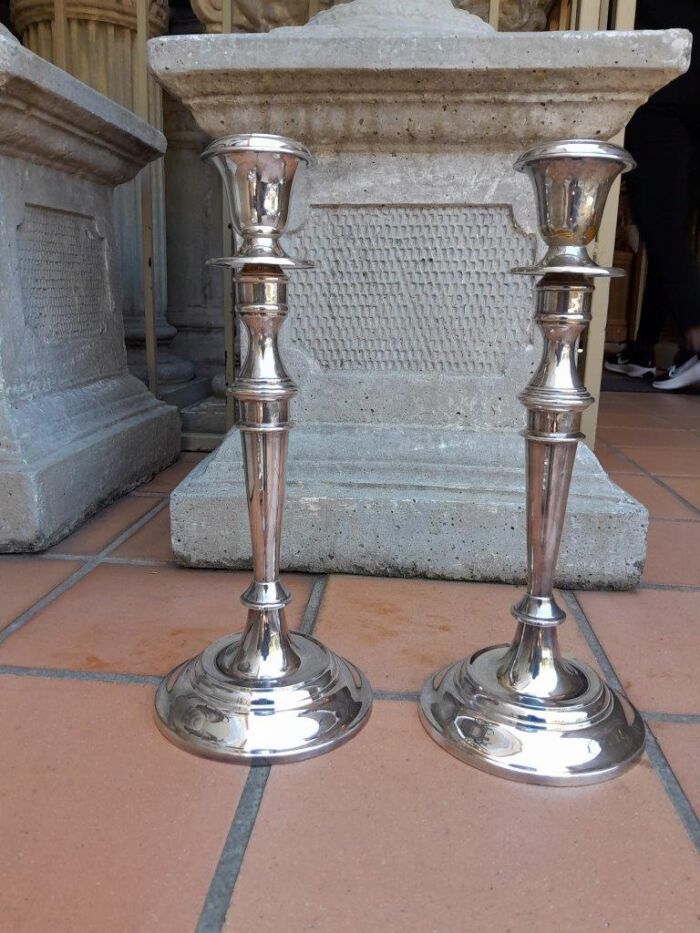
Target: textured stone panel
63,273
412,289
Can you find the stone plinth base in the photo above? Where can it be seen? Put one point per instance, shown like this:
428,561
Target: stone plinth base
409,502
115,437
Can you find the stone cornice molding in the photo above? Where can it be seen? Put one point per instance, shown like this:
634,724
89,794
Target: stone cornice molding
113,12
49,117
415,91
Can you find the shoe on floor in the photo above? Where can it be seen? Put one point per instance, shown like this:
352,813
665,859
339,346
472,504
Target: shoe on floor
684,372
631,362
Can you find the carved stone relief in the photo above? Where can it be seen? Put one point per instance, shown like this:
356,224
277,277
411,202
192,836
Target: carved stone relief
256,16
404,289
63,275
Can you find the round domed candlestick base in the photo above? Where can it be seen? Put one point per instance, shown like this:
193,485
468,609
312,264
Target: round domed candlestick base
582,733
207,707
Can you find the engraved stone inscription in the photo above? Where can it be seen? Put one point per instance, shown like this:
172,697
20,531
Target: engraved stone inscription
63,275
412,289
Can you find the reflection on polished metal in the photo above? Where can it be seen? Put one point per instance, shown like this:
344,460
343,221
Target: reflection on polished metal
264,178
266,695
523,711
572,180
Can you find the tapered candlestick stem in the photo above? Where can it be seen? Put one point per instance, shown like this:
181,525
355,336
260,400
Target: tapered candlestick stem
534,665
555,399
263,390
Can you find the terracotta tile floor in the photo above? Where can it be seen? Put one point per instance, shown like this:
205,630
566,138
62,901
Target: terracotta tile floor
104,826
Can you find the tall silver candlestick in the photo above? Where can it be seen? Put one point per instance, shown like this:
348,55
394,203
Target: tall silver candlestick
524,711
266,695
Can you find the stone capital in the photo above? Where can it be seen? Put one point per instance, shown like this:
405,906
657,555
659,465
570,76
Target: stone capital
27,12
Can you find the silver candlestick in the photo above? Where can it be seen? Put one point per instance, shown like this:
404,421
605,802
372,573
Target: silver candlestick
524,711
266,695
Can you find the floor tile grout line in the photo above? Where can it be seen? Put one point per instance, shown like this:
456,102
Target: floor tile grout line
308,621
48,556
46,600
672,786
122,677
223,883
120,561
138,562
131,529
313,605
61,588
655,479
689,719
152,562
401,696
591,639
57,673
664,485
664,771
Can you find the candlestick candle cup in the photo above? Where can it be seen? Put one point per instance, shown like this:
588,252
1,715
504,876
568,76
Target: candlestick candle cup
267,695
524,711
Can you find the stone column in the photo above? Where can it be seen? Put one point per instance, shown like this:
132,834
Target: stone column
76,429
101,51
194,235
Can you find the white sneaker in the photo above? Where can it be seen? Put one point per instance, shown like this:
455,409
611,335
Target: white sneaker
631,363
678,377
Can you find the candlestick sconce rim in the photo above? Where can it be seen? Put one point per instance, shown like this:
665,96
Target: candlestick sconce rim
576,149
258,142
571,179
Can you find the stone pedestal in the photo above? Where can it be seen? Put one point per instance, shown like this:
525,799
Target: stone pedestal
77,430
396,501
101,51
414,335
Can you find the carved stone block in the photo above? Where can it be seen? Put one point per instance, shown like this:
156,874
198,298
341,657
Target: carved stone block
76,430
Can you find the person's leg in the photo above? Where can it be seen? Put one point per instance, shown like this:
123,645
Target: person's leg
692,333
637,358
653,315
659,190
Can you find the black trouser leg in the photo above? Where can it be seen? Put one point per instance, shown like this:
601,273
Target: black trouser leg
653,314
659,191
